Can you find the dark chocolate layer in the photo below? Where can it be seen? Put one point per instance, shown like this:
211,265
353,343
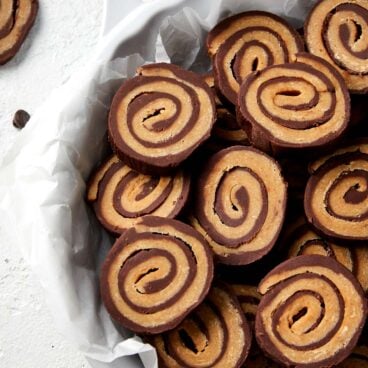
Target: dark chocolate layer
234,196
337,31
121,195
358,358
215,335
329,205
246,43
246,61
295,102
235,23
16,19
155,275
301,298
157,119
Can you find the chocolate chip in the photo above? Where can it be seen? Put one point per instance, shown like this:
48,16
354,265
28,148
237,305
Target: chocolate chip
20,119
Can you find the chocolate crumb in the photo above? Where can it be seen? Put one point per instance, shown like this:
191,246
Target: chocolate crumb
20,119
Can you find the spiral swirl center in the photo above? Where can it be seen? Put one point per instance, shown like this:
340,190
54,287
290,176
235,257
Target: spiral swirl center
347,37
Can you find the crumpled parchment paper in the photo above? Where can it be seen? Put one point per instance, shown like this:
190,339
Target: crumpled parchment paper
43,177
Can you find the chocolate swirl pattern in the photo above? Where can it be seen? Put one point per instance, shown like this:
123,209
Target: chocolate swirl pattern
298,105
216,334
303,240
121,196
311,314
156,274
337,30
240,204
336,196
158,118
226,130
249,42
16,19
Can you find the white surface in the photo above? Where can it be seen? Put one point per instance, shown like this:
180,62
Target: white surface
60,43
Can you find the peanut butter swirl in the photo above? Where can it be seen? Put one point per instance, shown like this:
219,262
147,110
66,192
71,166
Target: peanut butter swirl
240,204
246,43
336,196
311,314
158,118
303,240
121,196
295,105
16,19
337,30
155,274
215,335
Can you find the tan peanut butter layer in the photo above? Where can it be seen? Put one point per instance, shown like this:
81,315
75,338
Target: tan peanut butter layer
337,31
158,118
312,312
155,274
246,43
121,196
216,334
336,196
303,240
6,16
226,130
16,19
296,105
240,204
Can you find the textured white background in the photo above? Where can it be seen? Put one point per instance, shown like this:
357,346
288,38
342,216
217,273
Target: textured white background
59,44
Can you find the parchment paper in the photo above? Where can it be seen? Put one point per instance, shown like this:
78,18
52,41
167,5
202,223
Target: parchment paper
42,178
